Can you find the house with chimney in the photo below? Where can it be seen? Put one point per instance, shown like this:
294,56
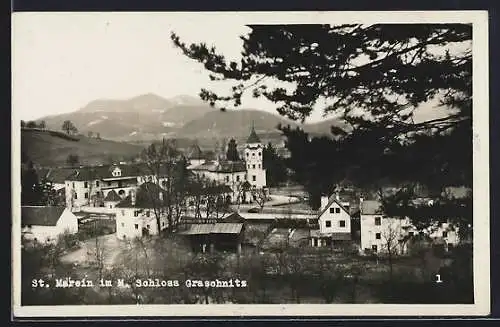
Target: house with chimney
90,186
334,221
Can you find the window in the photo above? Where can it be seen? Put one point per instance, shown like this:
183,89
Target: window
85,184
410,234
120,184
253,154
378,221
337,210
445,234
248,166
123,212
86,195
203,201
136,213
328,223
76,196
191,203
374,248
377,236
163,223
147,214
253,166
259,166
342,223
123,224
332,210
136,226
97,183
147,226
254,178
260,154
237,178
315,242
109,183
227,178
247,154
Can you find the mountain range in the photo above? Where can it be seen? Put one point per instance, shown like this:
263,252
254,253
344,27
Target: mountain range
149,116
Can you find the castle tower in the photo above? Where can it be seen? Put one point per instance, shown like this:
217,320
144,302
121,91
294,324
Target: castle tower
256,174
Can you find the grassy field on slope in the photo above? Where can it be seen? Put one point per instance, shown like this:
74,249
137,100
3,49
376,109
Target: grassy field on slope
51,150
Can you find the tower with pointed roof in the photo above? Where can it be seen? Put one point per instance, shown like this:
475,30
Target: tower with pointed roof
256,174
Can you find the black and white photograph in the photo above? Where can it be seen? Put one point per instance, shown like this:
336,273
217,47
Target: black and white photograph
250,163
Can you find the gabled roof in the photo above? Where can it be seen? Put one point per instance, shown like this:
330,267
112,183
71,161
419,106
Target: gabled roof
112,196
222,166
194,152
56,175
253,138
40,216
217,228
234,218
331,201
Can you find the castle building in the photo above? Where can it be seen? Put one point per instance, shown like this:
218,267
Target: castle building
249,169
254,160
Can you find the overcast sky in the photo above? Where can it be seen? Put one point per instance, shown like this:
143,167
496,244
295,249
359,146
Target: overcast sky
62,61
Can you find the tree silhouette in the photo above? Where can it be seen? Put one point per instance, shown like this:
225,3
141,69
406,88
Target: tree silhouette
31,124
73,160
274,165
68,127
232,151
373,78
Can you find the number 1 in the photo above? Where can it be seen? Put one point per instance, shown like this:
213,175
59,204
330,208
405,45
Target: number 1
438,278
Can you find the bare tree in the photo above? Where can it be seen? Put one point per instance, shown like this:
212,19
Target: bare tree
392,238
260,196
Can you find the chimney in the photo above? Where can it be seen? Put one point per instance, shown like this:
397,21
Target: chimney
324,201
132,197
160,195
337,196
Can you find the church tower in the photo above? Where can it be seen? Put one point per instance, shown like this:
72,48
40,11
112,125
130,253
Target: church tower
256,174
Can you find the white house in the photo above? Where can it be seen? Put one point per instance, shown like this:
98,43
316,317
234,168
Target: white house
380,233
45,224
334,223
138,218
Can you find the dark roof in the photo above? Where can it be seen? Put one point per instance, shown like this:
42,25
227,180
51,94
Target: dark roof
222,166
112,196
40,216
105,171
56,175
253,138
144,197
371,207
194,152
217,228
234,218
332,200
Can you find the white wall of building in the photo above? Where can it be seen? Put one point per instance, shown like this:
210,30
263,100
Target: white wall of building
255,166
68,222
390,228
334,220
131,221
